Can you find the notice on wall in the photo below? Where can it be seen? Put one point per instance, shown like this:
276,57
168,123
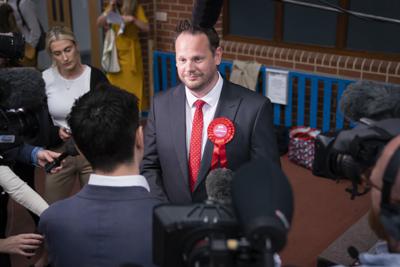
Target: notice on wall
277,85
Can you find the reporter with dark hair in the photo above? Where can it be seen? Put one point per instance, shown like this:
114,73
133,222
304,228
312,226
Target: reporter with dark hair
109,222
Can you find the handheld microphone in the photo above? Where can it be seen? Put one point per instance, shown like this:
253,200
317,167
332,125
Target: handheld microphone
70,150
263,201
373,100
218,185
205,13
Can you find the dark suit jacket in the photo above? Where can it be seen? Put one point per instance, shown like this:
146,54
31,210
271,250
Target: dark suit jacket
100,226
165,162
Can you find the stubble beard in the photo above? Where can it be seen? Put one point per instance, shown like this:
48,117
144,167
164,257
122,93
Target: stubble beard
200,87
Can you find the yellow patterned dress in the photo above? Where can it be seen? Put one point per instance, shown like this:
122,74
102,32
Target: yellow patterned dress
130,78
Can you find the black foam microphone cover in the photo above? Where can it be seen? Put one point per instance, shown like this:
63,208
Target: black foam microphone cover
218,185
370,99
205,13
27,88
263,201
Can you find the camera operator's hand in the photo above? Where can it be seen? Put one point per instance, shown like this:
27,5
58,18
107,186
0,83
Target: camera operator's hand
23,244
64,133
46,156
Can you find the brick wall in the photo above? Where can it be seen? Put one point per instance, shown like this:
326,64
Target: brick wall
297,59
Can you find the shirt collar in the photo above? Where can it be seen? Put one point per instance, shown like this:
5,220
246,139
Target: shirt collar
119,181
211,98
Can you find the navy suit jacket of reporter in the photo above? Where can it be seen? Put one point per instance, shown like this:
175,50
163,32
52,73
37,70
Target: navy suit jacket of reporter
165,162
100,226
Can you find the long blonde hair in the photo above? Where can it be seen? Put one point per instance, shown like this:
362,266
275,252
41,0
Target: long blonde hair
129,7
59,33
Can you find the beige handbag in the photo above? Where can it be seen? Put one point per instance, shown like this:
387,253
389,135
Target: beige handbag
109,59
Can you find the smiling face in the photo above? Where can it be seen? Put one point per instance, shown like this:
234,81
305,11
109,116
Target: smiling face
65,55
195,62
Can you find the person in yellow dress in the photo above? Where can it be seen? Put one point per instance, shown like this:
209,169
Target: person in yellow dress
130,77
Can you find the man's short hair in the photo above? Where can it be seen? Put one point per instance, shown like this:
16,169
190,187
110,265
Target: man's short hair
103,124
188,26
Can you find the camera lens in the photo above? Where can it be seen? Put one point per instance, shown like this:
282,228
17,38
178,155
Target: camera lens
345,166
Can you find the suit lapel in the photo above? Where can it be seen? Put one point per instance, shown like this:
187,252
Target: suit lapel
228,105
178,130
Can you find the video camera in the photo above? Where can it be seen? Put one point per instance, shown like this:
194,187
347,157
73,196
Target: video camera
14,126
352,152
12,45
246,233
198,231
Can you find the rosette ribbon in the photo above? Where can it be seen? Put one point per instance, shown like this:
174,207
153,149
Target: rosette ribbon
220,132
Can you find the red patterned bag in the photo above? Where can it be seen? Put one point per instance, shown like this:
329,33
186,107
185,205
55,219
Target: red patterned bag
301,145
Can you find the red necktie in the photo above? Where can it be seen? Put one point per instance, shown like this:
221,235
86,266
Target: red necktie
195,143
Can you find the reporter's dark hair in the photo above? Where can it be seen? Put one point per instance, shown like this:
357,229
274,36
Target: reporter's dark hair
103,124
188,26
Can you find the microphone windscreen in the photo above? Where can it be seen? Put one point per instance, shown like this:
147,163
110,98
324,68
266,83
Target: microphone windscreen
369,99
27,88
205,13
263,201
218,185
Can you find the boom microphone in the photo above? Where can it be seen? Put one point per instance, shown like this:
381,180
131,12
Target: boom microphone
205,13
218,185
70,150
373,100
263,200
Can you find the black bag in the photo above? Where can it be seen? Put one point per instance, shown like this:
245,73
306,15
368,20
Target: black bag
282,137
41,45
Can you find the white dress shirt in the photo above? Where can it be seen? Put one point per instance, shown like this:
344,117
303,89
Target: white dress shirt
119,181
211,99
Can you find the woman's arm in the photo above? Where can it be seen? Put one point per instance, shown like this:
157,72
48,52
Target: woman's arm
102,20
143,26
21,192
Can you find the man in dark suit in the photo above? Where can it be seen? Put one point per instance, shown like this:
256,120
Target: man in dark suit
168,158
109,222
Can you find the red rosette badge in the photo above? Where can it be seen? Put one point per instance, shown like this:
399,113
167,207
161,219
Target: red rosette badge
220,132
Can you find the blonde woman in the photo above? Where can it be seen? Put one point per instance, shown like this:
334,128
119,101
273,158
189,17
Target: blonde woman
66,80
130,77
